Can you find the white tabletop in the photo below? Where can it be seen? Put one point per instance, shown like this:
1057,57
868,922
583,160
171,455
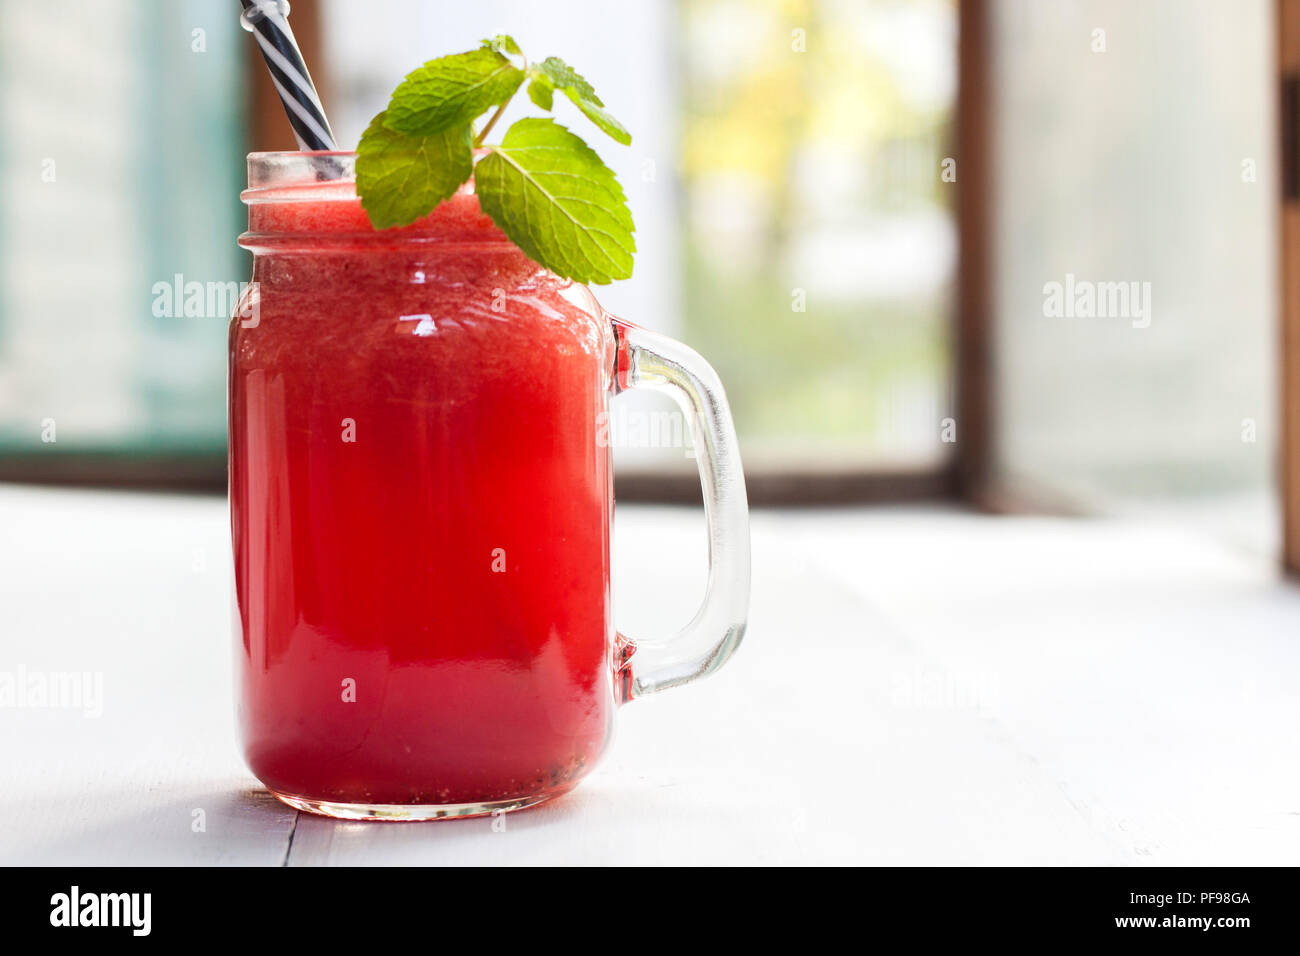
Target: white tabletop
917,686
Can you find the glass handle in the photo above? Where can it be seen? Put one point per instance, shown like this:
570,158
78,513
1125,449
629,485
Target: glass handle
646,359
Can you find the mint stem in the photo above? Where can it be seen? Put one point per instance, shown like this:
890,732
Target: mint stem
492,120
478,140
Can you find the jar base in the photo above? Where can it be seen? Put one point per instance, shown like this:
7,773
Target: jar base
408,813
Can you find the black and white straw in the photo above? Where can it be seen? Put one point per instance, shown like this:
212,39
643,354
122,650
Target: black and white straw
268,21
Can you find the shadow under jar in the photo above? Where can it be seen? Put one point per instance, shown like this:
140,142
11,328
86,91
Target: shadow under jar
421,497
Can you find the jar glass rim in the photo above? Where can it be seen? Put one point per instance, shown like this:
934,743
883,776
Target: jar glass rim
276,169
286,178
280,169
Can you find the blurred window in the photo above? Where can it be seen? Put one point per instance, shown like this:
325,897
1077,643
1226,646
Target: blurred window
819,244
121,148
786,178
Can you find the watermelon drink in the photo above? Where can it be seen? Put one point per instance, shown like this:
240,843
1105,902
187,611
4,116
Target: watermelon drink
420,505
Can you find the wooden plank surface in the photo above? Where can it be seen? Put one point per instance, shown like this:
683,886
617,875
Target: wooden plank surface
917,686
132,587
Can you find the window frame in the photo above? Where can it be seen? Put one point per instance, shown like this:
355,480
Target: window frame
1287,14
962,476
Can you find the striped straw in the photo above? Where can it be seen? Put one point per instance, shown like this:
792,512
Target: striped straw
268,21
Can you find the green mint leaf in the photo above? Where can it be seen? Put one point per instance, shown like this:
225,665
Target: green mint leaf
542,93
565,77
451,91
559,75
503,43
608,125
555,199
401,178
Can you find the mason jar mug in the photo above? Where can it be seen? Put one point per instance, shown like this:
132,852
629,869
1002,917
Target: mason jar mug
420,500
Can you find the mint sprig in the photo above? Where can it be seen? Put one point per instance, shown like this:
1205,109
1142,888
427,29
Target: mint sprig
542,185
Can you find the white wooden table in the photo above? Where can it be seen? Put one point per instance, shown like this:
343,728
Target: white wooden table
918,686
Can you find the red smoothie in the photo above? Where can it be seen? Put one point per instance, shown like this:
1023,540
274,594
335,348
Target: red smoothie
420,510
